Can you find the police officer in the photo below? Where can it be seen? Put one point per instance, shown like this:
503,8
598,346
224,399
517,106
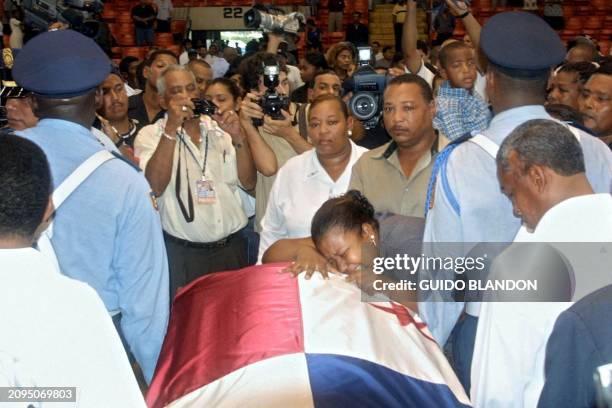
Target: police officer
107,232
466,204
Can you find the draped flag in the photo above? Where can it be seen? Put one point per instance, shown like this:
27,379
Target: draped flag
255,337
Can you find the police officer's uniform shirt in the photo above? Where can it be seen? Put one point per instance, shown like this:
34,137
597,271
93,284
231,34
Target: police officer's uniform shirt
108,234
58,333
302,185
379,176
486,214
212,221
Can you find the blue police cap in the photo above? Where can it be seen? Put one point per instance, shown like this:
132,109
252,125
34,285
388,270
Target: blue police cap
61,64
521,43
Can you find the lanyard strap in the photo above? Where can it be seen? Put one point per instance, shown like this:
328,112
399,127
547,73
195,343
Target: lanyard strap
188,213
182,139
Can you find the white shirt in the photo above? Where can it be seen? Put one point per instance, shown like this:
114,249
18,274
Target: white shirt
302,185
219,65
248,203
57,332
424,73
164,9
131,91
510,347
214,221
294,77
184,58
480,86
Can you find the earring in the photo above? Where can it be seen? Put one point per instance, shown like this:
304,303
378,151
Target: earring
350,133
372,240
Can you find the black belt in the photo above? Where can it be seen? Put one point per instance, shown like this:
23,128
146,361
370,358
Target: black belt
201,245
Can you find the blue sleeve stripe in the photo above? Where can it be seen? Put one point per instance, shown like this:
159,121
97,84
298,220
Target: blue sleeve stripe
450,196
440,166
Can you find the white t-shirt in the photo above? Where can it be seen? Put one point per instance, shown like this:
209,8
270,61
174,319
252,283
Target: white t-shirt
480,86
219,65
301,186
294,77
184,58
57,332
164,9
424,73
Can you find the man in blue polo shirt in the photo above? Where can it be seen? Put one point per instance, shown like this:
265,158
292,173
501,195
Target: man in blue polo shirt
107,232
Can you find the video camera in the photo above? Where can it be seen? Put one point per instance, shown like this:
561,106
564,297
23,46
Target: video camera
279,24
79,14
272,102
367,87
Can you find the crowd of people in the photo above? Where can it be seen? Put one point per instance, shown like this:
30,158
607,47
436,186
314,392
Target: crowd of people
118,190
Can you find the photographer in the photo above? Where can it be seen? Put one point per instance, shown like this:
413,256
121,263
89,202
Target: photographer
281,135
195,166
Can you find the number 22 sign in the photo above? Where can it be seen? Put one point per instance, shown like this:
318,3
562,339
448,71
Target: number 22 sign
232,12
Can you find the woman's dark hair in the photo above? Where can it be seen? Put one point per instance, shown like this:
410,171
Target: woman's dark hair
231,86
252,68
140,79
326,98
124,65
316,59
336,49
347,212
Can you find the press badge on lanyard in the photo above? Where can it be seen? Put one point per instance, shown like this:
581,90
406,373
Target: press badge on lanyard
206,191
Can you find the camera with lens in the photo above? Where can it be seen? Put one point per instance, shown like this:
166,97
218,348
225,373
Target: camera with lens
203,107
272,103
279,24
367,87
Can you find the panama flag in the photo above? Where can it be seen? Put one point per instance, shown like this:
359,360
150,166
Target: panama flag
259,338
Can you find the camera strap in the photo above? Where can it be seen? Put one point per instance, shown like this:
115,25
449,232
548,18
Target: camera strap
189,215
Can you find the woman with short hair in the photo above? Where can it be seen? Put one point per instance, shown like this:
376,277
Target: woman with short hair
308,180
